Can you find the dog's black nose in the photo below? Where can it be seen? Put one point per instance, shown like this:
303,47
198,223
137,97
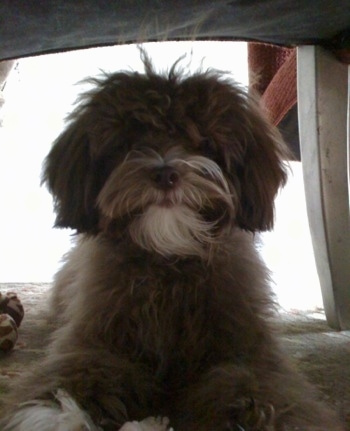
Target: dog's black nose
165,177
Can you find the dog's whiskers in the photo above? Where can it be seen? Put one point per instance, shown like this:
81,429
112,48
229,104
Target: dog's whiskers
207,166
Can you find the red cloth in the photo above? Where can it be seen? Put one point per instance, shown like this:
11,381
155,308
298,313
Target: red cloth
274,76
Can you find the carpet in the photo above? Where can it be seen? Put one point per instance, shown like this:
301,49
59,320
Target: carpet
322,354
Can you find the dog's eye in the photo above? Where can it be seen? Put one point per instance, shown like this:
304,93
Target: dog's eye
208,147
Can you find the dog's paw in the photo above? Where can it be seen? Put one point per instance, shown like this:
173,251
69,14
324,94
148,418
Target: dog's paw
64,414
148,424
247,413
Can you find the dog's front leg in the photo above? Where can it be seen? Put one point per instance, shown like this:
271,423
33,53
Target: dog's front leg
89,390
62,414
224,399
232,397
68,416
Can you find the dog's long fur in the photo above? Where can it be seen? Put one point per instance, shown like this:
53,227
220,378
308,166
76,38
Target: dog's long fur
163,307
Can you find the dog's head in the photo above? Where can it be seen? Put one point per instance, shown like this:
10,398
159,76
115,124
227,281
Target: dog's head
171,160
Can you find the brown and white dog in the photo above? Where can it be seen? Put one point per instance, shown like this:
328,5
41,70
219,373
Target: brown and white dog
164,307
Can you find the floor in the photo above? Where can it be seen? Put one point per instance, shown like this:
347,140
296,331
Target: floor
319,352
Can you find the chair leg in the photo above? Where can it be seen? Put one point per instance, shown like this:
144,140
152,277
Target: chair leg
323,106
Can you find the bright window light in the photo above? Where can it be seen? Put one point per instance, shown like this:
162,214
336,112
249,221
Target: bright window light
40,92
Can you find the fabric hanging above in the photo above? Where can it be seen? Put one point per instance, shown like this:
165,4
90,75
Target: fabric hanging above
36,27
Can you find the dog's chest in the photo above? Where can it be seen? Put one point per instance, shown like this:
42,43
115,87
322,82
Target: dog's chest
167,315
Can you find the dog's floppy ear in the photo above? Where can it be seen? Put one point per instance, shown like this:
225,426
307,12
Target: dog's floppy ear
262,171
69,175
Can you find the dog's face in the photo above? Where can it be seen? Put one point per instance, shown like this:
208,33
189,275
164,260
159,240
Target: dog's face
172,161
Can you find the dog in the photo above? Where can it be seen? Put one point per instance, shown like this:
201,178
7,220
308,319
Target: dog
163,308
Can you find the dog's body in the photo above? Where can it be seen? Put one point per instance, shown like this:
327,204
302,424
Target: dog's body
164,306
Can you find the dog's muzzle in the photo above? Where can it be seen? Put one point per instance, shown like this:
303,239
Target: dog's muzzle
176,204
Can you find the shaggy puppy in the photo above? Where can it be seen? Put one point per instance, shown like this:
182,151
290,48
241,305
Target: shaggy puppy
164,306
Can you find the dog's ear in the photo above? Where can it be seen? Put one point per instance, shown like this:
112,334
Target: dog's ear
68,172
261,172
